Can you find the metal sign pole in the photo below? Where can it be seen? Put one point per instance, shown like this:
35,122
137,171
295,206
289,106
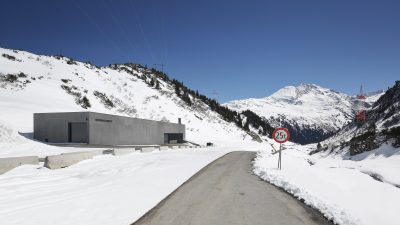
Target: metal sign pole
280,157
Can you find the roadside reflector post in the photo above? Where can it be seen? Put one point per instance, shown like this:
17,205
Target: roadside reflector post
280,135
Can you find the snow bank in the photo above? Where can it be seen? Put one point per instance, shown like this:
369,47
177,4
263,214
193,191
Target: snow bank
103,190
339,188
8,134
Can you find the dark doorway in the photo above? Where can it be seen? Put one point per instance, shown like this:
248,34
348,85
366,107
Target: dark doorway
77,132
173,138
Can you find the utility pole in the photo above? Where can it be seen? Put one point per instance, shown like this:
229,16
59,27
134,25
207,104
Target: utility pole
360,107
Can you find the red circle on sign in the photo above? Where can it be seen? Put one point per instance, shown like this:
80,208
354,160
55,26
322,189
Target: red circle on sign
283,129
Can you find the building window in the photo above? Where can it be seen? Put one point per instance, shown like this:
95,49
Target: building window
102,120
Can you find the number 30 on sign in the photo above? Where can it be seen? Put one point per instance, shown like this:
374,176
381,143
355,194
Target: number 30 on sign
281,135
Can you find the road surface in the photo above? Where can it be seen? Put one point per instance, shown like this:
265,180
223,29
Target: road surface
227,193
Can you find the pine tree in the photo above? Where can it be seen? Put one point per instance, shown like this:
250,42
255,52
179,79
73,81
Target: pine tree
186,98
151,82
246,126
177,90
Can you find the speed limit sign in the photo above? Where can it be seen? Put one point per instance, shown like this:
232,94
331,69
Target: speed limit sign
281,135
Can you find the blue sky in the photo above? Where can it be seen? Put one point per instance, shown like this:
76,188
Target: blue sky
236,49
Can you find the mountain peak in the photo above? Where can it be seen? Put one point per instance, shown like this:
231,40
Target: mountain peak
311,111
296,94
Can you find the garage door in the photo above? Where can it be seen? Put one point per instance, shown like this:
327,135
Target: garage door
173,137
78,132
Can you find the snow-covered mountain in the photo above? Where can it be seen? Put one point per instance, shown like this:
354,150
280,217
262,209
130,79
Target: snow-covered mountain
382,126
32,83
312,113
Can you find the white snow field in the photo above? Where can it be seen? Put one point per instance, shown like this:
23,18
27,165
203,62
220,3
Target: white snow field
104,190
343,188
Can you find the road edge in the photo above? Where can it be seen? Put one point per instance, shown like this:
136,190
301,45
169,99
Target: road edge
162,202
306,206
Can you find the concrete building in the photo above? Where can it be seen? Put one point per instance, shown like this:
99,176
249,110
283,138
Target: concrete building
103,129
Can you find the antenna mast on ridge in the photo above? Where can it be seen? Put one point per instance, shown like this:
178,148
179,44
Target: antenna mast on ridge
360,107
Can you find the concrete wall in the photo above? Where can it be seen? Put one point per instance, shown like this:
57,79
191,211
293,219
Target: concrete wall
148,149
53,127
7,164
164,148
68,159
123,151
103,129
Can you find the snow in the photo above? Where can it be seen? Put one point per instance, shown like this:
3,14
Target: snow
306,104
131,95
105,190
372,97
362,189
339,186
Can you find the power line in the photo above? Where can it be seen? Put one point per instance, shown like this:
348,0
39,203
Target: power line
118,24
117,47
142,31
161,31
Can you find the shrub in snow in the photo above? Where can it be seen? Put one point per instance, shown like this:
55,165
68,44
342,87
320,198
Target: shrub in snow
71,62
393,133
122,107
84,102
74,91
65,81
10,57
69,90
363,142
104,99
23,75
11,78
152,82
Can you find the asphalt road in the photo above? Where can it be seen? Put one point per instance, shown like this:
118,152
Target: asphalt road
227,193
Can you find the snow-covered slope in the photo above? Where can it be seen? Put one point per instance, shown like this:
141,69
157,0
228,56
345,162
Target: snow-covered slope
372,97
382,126
362,190
312,113
32,83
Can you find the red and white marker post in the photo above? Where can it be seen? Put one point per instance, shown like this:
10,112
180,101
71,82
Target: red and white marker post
280,135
